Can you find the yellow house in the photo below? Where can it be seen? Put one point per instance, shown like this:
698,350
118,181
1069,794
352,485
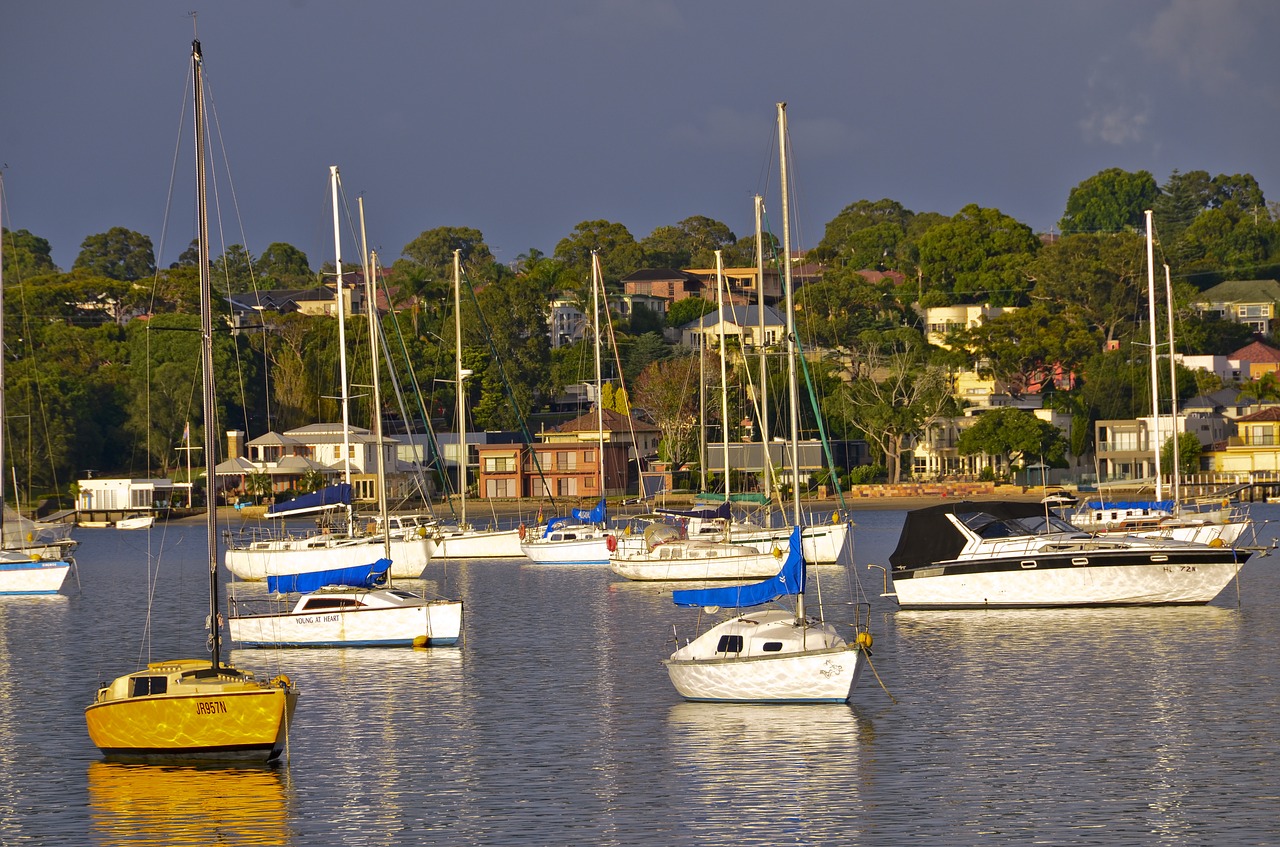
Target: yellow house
1254,447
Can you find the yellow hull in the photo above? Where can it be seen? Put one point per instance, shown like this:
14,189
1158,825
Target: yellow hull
185,710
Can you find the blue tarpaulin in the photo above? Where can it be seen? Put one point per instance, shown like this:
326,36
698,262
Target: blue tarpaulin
326,498
789,580
356,576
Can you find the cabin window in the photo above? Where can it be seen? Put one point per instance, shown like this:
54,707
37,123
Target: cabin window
729,644
317,603
772,647
144,685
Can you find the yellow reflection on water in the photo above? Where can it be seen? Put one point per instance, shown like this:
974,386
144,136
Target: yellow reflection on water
134,805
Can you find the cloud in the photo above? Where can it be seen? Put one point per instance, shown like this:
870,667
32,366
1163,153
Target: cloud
1212,44
1113,115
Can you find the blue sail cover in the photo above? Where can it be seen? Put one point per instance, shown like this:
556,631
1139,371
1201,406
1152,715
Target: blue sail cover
1153,505
356,576
557,521
704,512
596,515
326,498
789,580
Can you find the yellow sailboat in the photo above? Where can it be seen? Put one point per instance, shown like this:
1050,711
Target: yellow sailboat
188,709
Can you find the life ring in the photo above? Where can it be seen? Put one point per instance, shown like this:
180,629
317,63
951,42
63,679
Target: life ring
611,542
522,530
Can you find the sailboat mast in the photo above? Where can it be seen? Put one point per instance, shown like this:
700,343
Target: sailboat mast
2,409
764,368
1155,382
457,384
206,353
596,283
724,378
334,181
1173,394
370,261
793,395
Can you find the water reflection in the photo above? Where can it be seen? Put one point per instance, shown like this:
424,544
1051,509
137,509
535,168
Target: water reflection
772,773
140,805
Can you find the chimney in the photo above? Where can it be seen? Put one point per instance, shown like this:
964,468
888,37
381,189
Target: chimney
235,443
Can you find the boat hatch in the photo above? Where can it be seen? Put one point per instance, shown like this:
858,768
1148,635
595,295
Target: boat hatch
316,603
146,685
1079,560
729,644
772,647
1028,564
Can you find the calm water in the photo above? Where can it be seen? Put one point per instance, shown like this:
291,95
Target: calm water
555,723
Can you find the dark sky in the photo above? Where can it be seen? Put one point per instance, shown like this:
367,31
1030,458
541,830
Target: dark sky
522,119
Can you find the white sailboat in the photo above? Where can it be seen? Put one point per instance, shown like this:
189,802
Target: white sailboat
352,607
196,708
664,552
582,539
23,569
461,540
257,555
1217,524
774,655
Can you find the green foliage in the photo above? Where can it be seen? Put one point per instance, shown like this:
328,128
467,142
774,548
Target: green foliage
284,266
1189,451
980,255
866,234
1023,348
688,310
1094,280
1109,201
118,253
25,255
619,253
689,244
836,310
1014,433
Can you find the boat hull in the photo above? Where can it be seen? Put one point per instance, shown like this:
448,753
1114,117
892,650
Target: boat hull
283,556
823,544
32,577
481,544
694,561
228,718
1049,581
591,550
811,665
431,623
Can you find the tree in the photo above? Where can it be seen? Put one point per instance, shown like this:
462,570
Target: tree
893,397
1109,201
1025,349
836,310
1094,279
118,253
1189,450
619,252
232,272
26,255
980,255
668,391
1015,434
687,310
284,266
690,243
865,234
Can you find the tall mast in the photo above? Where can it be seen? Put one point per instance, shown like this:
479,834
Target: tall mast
370,261
334,181
792,394
596,284
206,352
1155,382
724,378
2,410
458,376
764,368
1173,393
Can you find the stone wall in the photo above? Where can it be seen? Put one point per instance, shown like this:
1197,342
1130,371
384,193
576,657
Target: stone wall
957,490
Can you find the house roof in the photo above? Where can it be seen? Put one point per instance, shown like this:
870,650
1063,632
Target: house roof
1242,291
738,316
1258,352
1271,413
659,275
613,422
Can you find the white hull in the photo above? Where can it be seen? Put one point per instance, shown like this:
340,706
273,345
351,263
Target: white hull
475,544
143,522
814,664
824,544
437,622
283,556
24,576
569,547
698,560
1096,585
